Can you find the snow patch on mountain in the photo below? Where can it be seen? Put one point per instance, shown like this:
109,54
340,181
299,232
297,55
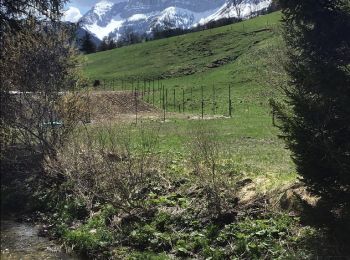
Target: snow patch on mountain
173,17
101,32
115,17
228,10
102,7
137,17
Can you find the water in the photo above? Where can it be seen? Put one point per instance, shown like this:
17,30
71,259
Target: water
19,241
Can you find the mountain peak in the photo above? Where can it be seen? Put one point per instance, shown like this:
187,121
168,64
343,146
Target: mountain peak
102,7
116,17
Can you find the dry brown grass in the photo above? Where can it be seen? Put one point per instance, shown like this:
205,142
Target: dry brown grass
116,105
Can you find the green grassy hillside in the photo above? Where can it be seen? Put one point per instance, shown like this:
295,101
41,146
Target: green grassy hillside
213,59
183,55
185,64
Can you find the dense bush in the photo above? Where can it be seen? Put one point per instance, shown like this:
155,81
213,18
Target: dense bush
317,125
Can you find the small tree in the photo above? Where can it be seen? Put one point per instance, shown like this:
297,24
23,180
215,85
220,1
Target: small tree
205,155
39,73
316,126
87,45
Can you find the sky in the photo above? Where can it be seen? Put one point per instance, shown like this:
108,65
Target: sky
76,8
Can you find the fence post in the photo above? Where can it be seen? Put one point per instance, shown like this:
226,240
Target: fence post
229,101
213,100
174,100
135,96
183,101
163,102
191,100
166,99
202,102
160,96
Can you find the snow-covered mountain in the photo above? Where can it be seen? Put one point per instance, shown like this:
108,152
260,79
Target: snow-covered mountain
118,17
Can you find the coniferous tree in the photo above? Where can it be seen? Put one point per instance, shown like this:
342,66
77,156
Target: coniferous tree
111,43
87,45
315,120
103,45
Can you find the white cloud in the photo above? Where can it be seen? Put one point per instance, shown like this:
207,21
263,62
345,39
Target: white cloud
72,15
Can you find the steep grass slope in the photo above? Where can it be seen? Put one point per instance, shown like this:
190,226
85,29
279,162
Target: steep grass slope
213,59
188,54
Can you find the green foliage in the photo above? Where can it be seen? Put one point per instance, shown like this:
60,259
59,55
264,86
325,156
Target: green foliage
13,9
147,256
318,129
94,237
256,238
273,237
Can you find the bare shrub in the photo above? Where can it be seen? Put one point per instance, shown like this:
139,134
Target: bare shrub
40,76
115,164
205,154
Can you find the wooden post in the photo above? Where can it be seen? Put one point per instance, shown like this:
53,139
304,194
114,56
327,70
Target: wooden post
139,87
160,96
135,97
166,99
174,104
191,100
144,89
213,101
229,101
163,103
202,102
183,101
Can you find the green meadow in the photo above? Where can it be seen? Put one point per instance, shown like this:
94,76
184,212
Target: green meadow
181,73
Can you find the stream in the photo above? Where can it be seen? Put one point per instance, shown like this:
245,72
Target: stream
21,241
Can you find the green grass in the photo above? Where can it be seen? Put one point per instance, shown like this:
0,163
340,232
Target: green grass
249,141
184,63
176,56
